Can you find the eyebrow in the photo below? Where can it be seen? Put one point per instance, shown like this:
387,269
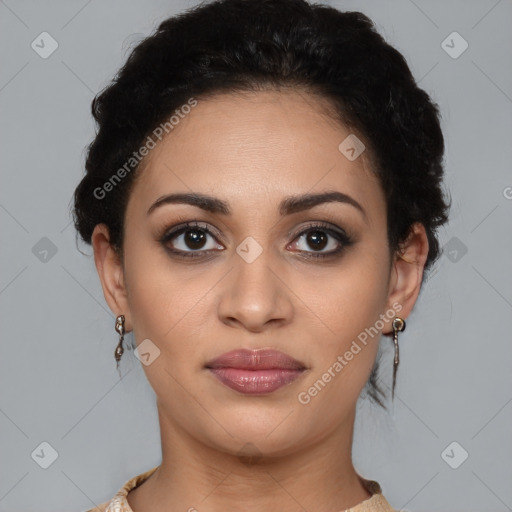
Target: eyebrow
289,205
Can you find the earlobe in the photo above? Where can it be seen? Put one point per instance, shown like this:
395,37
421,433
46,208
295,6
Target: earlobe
408,268
110,272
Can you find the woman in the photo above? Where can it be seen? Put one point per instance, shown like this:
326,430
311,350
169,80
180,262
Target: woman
262,198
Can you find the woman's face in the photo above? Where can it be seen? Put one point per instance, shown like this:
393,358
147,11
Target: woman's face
264,276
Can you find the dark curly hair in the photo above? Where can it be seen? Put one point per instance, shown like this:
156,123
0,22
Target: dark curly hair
246,45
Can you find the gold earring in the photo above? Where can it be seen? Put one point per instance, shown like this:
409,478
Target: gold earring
398,325
119,327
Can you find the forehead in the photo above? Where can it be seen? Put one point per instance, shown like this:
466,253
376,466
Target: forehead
253,148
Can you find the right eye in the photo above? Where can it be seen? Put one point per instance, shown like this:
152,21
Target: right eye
189,236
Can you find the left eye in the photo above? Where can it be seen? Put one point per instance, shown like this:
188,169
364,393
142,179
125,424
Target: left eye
319,238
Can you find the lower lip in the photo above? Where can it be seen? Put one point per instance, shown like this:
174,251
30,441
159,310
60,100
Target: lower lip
255,381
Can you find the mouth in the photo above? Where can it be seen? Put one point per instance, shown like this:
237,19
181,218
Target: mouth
255,371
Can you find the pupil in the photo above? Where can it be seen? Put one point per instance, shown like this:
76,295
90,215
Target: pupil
194,239
314,237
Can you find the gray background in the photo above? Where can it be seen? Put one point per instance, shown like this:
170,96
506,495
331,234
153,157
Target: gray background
57,372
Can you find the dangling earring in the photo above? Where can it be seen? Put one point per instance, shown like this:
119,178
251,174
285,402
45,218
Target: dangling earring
398,325
120,330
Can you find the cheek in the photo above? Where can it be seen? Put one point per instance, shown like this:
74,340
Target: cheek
166,305
350,299
349,310
166,308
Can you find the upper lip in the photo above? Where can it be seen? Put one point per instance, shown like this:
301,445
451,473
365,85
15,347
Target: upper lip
262,359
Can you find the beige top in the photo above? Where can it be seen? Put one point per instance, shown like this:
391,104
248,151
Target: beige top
119,503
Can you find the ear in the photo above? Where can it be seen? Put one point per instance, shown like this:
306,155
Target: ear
406,273
111,273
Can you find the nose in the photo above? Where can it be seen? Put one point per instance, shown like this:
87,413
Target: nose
255,295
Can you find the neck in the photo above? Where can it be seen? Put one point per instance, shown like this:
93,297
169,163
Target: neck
192,475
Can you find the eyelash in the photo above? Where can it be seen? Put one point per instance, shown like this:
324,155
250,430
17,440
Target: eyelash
340,236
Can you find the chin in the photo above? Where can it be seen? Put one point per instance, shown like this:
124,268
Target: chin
258,435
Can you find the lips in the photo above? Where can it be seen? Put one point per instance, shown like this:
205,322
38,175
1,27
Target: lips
255,371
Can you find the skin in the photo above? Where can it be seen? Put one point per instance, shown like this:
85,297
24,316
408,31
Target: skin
251,150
